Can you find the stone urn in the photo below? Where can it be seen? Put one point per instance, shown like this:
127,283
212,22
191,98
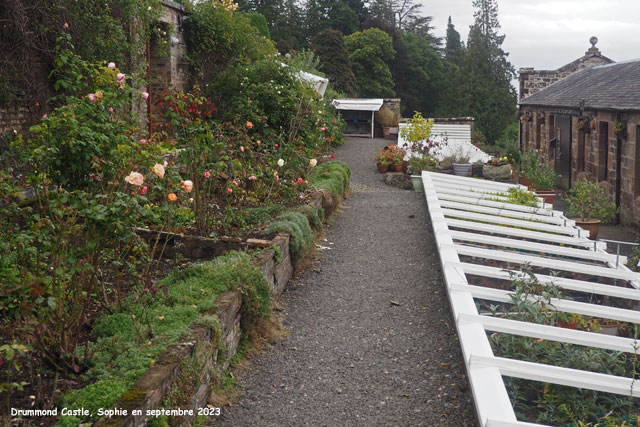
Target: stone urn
496,172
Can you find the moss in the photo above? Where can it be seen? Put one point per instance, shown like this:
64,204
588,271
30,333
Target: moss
297,225
332,176
128,342
311,213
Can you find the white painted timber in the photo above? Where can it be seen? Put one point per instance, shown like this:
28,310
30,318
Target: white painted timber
527,234
564,283
502,212
558,375
540,248
453,202
455,197
552,264
563,305
512,222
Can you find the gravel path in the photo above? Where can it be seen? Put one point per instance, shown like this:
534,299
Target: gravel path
370,331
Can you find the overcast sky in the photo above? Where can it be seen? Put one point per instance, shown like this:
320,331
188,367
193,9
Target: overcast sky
547,34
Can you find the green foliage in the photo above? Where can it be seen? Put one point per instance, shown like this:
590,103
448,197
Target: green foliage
370,52
11,356
129,341
313,216
331,176
417,129
508,144
531,301
522,197
218,39
491,97
453,49
329,46
264,92
102,394
587,200
260,22
537,170
297,225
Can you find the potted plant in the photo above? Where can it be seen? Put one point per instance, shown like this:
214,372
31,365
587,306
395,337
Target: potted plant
382,161
417,164
544,180
497,168
590,205
396,158
388,119
461,165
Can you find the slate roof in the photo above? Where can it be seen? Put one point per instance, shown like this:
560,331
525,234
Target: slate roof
604,87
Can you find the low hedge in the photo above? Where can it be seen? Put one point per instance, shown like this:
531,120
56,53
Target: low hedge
128,342
331,176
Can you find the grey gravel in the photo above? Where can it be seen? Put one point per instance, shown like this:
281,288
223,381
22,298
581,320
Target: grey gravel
371,339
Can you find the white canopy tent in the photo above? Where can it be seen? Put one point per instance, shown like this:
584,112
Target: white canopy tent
356,113
319,83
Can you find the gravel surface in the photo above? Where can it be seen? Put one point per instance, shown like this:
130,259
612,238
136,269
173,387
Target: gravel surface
371,339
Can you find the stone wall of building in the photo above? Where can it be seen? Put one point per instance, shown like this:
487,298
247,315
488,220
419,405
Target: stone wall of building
532,81
168,67
595,130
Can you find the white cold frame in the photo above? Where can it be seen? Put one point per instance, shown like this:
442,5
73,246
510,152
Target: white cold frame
471,219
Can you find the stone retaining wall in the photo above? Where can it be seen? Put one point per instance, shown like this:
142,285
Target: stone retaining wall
185,373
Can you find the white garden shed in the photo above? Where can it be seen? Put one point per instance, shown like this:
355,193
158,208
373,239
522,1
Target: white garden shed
358,113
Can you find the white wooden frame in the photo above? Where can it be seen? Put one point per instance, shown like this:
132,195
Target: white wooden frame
461,215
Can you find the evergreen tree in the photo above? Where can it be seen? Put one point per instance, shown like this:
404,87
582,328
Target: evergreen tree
370,52
453,48
334,61
488,73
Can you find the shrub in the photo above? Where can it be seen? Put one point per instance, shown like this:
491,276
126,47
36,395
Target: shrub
312,215
297,225
336,179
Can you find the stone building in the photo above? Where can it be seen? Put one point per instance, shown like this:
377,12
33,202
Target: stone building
532,81
588,126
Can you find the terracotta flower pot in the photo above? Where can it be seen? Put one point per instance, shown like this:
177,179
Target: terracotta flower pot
548,195
382,168
591,225
522,180
396,167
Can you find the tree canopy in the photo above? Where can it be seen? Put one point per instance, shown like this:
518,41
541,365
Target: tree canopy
403,58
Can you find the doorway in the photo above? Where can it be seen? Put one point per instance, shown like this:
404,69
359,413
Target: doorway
563,151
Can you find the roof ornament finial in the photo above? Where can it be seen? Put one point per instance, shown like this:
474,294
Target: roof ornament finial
593,40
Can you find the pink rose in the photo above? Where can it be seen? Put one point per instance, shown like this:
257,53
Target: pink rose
121,77
111,109
229,190
66,25
145,95
144,190
335,128
92,97
242,149
111,66
324,129
143,141
187,186
299,181
45,116
135,178
253,178
207,174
